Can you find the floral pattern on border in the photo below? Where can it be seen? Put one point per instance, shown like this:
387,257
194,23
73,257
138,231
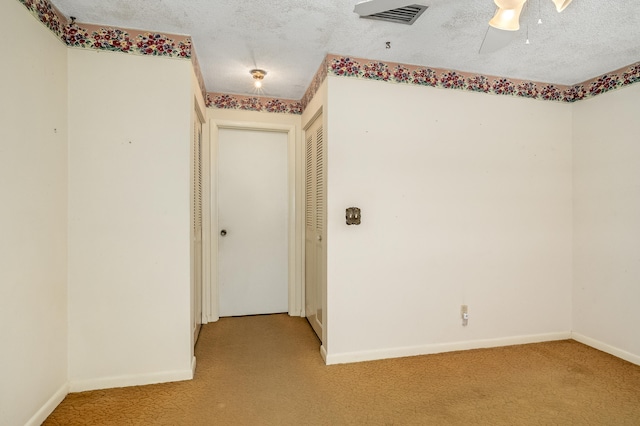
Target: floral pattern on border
198,71
275,105
503,86
425,77
46,13
376,71
319,77
527,89
632,75
127,41
155,44
550,93
575,93
346,67
449,79
253,103
603,84
401,74
184,49
113,39
75,36
108,38
479,83
224,102
296,108
452,80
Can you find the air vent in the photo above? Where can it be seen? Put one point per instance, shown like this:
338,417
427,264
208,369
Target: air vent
402,15
398,11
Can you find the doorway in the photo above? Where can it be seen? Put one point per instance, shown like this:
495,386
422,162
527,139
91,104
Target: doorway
250,274
252,222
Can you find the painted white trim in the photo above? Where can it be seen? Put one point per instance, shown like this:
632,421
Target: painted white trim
193,367
442,347
296,295
604,347
323,353
209,318
41,415
131,380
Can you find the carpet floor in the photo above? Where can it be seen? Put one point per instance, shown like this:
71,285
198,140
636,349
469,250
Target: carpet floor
267,370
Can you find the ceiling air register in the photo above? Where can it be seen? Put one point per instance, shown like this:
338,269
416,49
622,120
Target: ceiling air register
397,11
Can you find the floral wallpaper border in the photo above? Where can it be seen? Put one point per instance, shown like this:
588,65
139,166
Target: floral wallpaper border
345,66
316,82
126,41
97,37
46,13
265,104
178,46
253,103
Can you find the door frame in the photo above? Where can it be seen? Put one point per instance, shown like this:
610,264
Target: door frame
295,287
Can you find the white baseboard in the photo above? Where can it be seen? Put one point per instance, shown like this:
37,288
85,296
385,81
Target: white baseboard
441,347
604,347
206,319
193,367
131,380
41,415
323,353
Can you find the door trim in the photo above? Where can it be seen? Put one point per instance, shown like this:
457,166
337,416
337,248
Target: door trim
296,295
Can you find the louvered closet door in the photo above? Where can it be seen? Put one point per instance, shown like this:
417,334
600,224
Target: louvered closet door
315,224
197,229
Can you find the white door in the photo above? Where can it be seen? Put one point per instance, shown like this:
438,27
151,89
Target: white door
252,221
315,225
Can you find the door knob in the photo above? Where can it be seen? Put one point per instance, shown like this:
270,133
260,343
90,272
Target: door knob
223,232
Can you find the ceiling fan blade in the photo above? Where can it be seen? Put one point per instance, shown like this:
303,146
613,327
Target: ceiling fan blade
508,19
496,39
561,4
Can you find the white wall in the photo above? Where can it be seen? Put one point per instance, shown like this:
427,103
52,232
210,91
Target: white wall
129,219
607,222
33,200
466,199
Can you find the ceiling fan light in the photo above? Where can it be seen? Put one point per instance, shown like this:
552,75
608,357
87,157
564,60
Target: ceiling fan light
509,4
507,19
561,4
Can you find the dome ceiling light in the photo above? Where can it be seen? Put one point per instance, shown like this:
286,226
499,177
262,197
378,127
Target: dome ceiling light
258,76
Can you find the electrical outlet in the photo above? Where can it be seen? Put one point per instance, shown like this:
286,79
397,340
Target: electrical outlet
464,313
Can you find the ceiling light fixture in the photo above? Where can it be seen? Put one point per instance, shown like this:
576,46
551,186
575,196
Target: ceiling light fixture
507,16
258,76
506,21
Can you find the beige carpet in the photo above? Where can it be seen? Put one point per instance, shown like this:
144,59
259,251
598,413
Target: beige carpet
267,370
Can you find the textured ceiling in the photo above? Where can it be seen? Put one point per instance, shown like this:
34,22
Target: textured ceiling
289,38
